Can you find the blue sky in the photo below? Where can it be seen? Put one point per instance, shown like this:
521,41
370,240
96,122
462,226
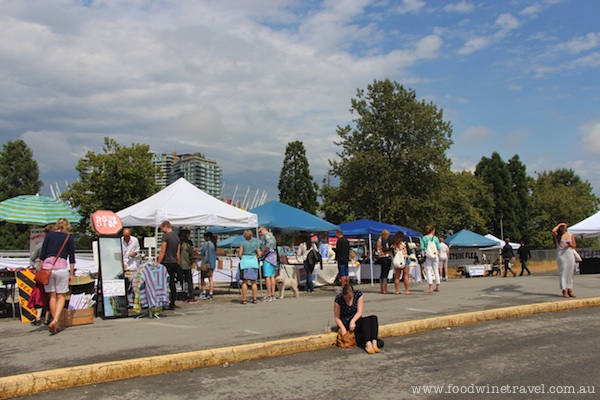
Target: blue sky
237,80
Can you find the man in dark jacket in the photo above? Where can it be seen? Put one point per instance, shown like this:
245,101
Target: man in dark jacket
507,256
524,256
342,256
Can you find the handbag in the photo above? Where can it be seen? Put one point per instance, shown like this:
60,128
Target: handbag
43,274
398,261
204,267
577,256
346,340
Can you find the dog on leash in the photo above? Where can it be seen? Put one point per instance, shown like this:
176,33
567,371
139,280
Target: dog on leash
286,283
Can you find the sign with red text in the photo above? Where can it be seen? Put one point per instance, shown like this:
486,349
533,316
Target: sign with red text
106,222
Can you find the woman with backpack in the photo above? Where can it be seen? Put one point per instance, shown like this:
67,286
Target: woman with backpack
431,246
399,262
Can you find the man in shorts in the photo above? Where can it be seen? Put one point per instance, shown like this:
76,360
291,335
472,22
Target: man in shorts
208,253
342,256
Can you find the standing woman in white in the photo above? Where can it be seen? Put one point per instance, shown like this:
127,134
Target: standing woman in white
565,256
431,245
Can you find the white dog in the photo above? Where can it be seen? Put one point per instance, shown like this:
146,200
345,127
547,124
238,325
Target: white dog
287,283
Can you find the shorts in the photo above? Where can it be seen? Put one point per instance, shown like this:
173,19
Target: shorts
207,274
343,269
268,269
249,274
59,281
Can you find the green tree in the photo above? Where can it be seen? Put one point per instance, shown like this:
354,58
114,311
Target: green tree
557,196
19,172
334,207
522,197
494,171
19,175
467,203
116,179
392,158
296,185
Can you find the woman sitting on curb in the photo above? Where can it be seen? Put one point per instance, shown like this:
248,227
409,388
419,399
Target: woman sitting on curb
347,311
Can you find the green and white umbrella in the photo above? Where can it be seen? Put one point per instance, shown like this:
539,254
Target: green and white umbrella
36,210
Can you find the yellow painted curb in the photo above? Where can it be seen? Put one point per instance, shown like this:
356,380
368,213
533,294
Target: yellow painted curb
42,381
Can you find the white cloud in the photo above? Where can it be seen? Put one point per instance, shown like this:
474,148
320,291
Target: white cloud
463,6
505,23
581,43
408,6
475,135
590,137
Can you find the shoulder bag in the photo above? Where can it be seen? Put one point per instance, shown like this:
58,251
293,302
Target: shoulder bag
43,274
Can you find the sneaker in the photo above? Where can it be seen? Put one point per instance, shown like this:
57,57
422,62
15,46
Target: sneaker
273,298
210,296
192,301
203,296
266,298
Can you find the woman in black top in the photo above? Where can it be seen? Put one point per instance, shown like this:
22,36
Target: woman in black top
347,311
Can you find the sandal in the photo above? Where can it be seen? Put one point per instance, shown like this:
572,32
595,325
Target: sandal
244,302
409,293
570,293
254,301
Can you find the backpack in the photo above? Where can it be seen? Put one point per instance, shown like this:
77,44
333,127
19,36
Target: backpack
431,251
314,257
398,261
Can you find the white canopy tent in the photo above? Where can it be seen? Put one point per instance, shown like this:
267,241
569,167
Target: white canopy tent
500,244
183,204
589,227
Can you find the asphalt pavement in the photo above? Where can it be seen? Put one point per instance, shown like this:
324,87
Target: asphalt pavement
224,322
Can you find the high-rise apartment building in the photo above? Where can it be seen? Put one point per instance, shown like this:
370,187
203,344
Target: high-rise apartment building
199,171
165,162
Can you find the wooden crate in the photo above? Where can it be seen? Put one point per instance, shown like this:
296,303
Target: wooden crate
77,317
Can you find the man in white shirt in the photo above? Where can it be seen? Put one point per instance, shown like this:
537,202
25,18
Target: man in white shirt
131,248
443,259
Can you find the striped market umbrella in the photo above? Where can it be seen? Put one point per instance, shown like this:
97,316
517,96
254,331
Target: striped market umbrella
36,210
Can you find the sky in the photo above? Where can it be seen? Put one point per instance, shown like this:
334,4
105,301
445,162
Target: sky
237,80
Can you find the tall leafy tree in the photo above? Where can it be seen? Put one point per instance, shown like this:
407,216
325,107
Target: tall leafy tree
494,171
557,196
467,203
19,172
19,175
334,207
115,179
522,198
392,158
296,185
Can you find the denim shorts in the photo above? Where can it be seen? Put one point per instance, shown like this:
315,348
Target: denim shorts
343,269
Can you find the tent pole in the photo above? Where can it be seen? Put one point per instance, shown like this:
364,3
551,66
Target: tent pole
371,257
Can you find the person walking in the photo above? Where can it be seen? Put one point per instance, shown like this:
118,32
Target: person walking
524,256
342,256
443,259
169,256
430,244
384,259
565,257
59,246
507,257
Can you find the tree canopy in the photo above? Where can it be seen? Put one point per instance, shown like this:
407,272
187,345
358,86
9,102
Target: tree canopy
296,185
19,175
392,159
113,180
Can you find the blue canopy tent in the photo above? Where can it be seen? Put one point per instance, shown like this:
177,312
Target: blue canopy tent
466,238
285,219
232,241
367,227
363,227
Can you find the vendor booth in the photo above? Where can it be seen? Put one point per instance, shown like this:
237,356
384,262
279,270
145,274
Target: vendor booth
589,227
465,246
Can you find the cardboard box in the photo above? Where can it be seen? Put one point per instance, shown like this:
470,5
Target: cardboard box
77,317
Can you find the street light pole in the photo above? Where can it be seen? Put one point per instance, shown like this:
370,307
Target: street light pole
501,228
